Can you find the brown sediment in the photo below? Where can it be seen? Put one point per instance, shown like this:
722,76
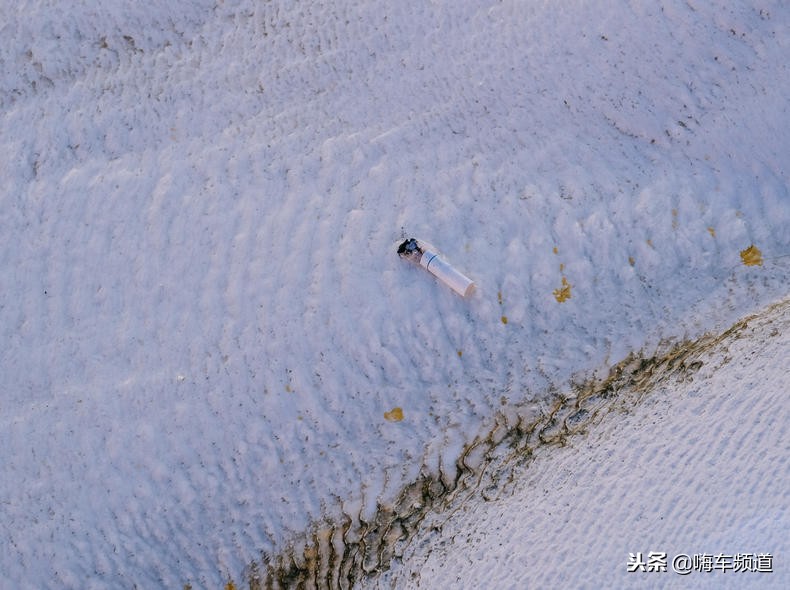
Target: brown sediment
341,553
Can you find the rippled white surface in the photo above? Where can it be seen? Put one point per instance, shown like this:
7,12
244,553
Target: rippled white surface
203,318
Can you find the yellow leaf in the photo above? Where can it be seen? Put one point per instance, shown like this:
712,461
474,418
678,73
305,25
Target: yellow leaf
712,232
394,415
752,256
564,292
504,319
460,353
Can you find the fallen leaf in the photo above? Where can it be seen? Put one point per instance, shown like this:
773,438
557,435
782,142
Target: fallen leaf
563,293
504,319
394,415
752,256
712,232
